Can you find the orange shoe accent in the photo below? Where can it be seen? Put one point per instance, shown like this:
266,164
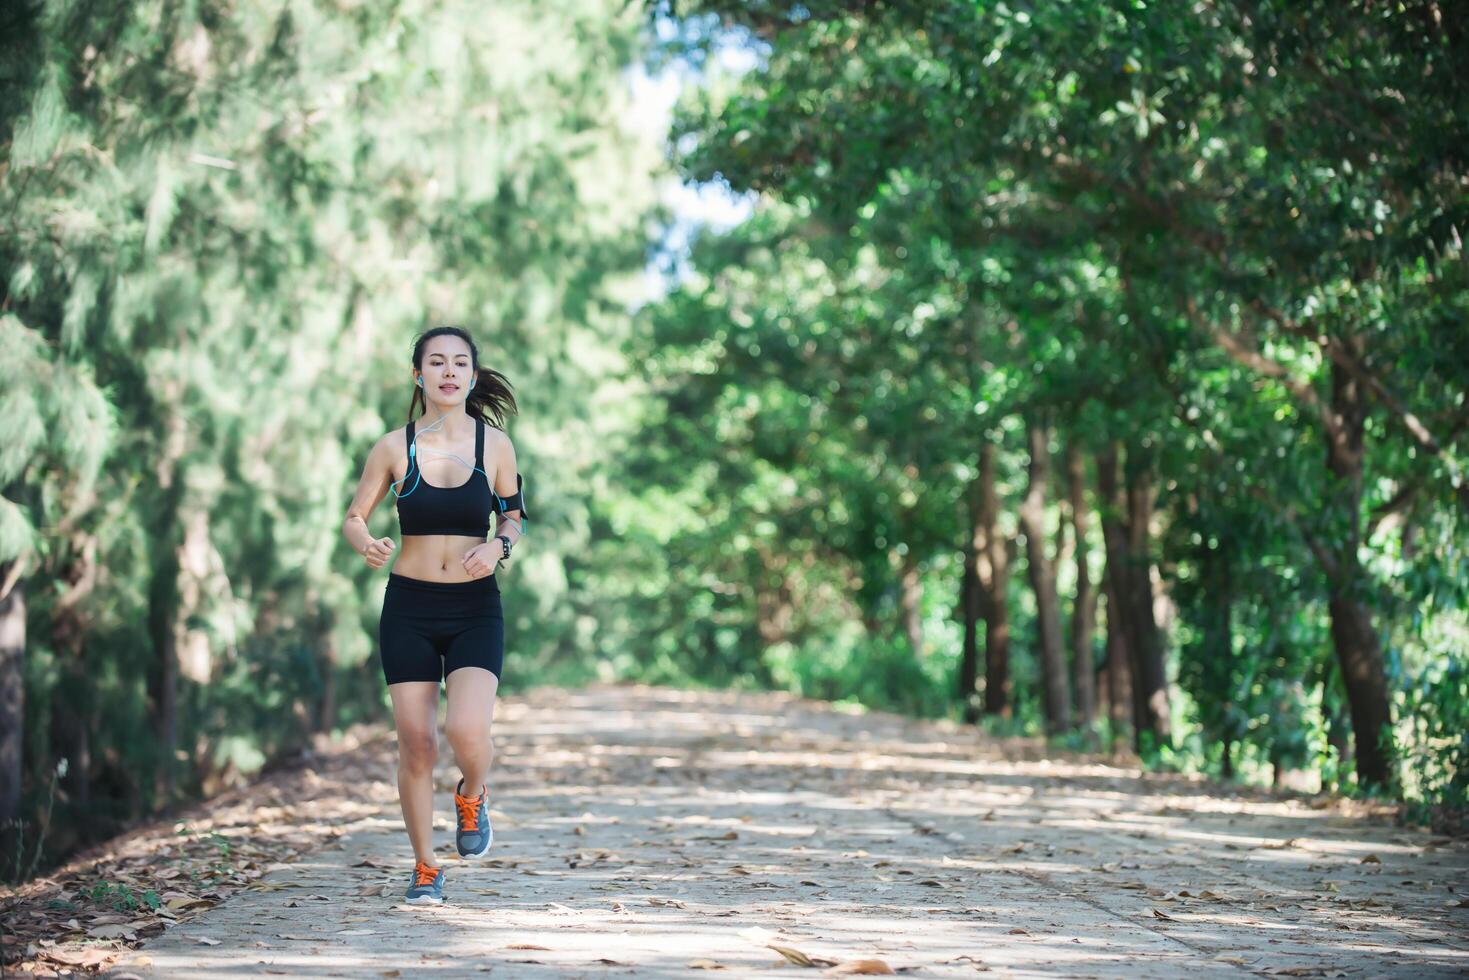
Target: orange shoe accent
469,809
424,874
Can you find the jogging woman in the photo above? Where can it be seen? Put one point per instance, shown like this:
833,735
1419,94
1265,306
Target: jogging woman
450,469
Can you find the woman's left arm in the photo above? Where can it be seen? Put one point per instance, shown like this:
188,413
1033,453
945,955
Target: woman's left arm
510,487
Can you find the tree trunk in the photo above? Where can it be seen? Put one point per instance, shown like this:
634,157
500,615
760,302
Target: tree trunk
1042,573
971,605
1119,665
12,686
911,601
71,733
1353,635
163,677
994,586
1084,614
1150,673
164,601
1216,630
1131,591
326,709
1114,539
774,611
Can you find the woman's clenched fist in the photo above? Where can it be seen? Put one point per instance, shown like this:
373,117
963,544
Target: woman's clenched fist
378,552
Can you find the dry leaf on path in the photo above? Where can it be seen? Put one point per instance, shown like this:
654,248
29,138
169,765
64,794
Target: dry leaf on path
799,958
862,967
110,932
86,958
373,863
706,965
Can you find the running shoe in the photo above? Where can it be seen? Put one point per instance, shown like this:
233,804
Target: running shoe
473,833
427,887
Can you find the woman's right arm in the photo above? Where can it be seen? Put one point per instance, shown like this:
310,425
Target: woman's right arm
377,476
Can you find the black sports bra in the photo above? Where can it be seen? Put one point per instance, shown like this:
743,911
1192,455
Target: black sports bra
463,510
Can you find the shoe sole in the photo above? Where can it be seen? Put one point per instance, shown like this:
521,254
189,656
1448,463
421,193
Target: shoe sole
470,856
423,900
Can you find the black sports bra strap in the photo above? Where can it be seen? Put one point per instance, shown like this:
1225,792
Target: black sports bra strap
409,445
479,445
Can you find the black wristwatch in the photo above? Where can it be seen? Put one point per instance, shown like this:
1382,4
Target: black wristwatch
505,545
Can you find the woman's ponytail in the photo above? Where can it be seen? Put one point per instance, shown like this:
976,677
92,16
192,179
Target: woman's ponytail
491,399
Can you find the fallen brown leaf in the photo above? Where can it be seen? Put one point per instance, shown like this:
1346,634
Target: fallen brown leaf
863,967
86,958
372,863
799,958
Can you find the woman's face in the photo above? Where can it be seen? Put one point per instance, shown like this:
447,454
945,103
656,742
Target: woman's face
447,372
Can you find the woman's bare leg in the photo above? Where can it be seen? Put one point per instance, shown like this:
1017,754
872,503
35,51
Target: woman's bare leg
416,714
472,693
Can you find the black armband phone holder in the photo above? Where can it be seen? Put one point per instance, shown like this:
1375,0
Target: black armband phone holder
516,501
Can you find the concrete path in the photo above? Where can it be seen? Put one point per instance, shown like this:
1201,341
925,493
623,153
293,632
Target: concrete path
653,832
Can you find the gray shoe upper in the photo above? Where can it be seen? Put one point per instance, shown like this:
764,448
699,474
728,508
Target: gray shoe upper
433,891
473,840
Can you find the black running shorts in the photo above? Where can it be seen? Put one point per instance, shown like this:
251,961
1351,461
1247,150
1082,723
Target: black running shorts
430,629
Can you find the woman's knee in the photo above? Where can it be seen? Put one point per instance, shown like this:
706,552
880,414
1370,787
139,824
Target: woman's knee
417,750
467,733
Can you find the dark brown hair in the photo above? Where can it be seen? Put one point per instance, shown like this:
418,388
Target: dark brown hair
491,400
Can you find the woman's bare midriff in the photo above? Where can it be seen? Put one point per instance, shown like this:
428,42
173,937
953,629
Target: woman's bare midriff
435,557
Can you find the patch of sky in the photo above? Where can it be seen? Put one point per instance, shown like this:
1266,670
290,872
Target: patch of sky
688,52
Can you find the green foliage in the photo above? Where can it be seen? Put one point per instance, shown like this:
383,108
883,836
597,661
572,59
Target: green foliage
120,898
1225,239
1215,235
1436,702
223,225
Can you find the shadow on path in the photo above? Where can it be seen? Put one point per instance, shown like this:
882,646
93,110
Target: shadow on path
653,831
